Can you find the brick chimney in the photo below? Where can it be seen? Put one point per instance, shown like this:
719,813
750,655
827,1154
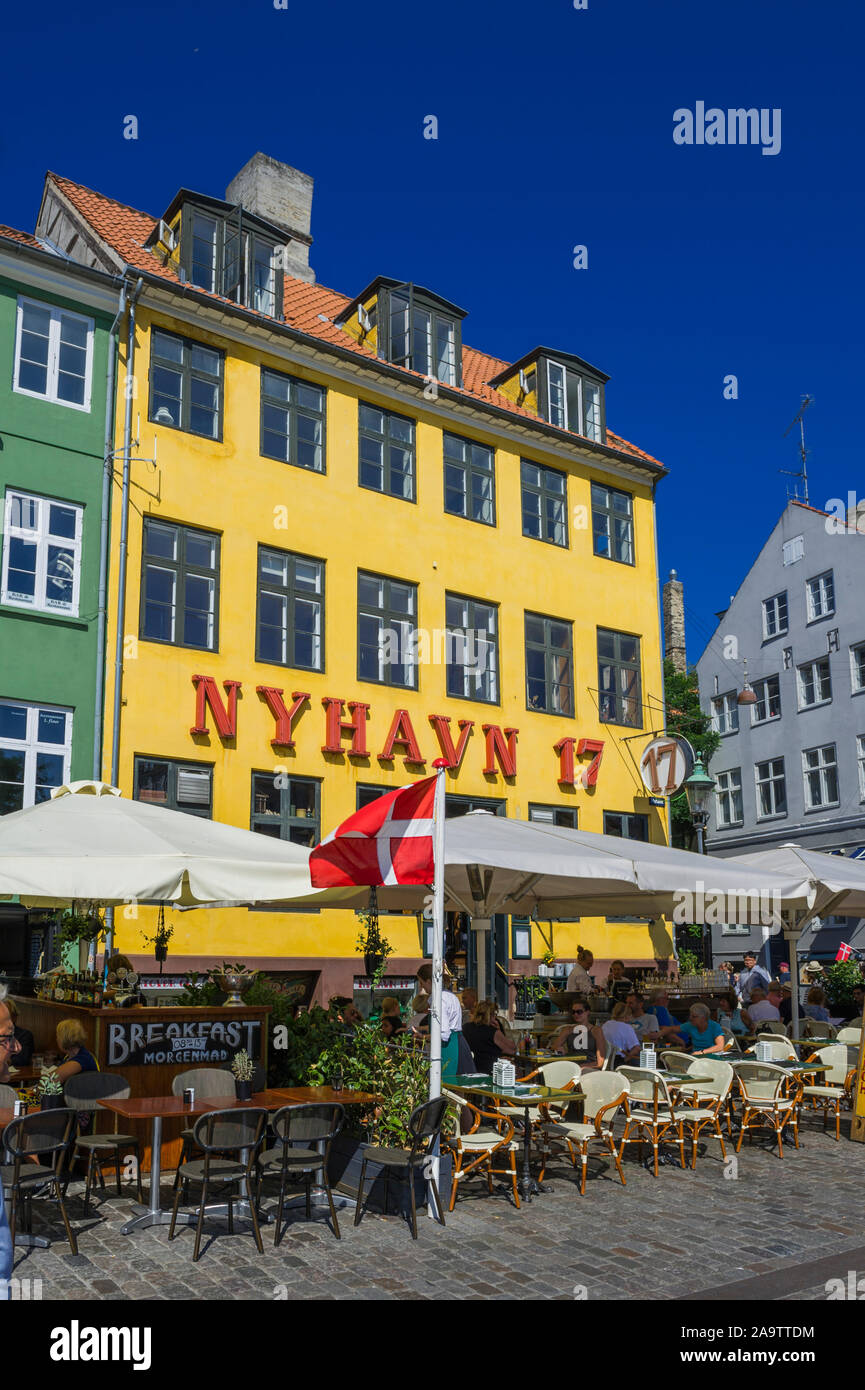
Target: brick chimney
282,195
674,622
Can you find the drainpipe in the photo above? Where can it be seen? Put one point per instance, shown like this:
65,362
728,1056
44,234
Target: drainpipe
102,611
121,569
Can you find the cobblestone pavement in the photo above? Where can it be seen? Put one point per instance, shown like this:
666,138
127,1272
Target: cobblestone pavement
777,1230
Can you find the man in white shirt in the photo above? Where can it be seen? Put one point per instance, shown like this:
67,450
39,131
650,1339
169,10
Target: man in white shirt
620,1036
760,1010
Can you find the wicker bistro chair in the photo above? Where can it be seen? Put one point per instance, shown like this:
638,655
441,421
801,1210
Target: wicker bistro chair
700,1105
46,1137
8,1097
209,1083
295,1158
424,1127
475,1149
676,1061
770,1095
829,1094
782,1050
731,1043
84,1093
851,1036
654,1113
229,1141
604,1093
771,1025
818,1028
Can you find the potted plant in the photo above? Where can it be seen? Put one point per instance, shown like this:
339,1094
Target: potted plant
374,947
548,966
160,939
50,1092
80,925
233,980
243,1069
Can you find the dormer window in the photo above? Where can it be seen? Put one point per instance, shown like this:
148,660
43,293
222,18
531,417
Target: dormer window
573,400
227,251
413,327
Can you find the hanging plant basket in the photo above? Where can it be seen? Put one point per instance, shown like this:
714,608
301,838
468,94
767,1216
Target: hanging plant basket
372,965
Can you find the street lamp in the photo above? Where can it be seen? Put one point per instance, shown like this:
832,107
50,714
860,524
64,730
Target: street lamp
698,788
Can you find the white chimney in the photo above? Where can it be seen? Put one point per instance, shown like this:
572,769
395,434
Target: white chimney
282,195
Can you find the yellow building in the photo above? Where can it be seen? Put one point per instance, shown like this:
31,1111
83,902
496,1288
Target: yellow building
356,545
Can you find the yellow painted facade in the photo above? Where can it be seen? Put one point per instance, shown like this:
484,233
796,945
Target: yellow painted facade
229,488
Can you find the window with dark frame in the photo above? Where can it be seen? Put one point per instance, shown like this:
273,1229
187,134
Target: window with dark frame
571,400
224,252
178,786
549,665
521,938
286,808
472,649
469,480
185,385
421,335
386,452
179,586
567,816
619,684
628,825
613,523
292,421
386,628
544,503
290,624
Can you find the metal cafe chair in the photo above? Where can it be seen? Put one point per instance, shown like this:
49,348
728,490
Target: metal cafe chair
424,1127
208,1083
298,1129
768,1099
653,1115
46,1136
230,1141
829,1094
83,1093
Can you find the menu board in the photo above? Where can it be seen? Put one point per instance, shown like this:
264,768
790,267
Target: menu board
185,1042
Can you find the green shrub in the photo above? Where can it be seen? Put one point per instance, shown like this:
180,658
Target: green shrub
397,1073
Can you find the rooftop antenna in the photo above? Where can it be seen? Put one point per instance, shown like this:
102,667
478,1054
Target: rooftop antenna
803,452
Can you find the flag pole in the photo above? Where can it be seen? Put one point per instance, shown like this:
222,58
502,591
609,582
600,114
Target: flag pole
438,943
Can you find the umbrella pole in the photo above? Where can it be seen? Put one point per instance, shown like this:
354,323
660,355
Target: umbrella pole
438,937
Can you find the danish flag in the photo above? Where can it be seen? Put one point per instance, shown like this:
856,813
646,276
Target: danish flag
844,951
390,841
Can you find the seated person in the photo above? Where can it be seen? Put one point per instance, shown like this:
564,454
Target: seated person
350,1016
618,983
785,1008
24,1055
581,1039
667,1025
72,1040
701,1032
620,1036
392,1026
390,1006
856,1008
419,1020
469,1002
644,1024
485,1037
760,1010
730,1014
815,1005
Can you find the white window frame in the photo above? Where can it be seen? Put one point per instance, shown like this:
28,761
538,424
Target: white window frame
770,781
763,697
559,366
725,710
729,789
821,769
822,581
860,759
811,666
857,687
42,538
50,394
773,604
31,747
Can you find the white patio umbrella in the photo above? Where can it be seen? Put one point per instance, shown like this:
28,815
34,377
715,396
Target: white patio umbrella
89,843
837,883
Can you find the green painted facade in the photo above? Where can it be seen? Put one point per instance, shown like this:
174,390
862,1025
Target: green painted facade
53,451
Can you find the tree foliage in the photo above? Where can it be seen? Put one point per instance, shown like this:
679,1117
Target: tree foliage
685,717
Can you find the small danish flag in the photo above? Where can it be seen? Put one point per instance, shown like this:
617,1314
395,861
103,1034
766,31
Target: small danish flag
844,951
387,842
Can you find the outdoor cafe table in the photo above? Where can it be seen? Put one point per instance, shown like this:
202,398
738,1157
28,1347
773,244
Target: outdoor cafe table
158,1108
524,1097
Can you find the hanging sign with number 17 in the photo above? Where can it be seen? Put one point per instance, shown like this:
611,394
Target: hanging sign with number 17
665,763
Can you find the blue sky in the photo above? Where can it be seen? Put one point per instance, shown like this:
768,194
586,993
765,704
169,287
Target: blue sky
555,129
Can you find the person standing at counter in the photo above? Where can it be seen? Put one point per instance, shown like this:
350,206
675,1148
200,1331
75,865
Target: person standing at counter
456,1054
579,980
71,1040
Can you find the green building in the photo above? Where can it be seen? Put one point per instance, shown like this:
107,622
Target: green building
57,323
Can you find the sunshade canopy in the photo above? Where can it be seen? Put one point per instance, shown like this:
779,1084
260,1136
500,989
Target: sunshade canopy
838,883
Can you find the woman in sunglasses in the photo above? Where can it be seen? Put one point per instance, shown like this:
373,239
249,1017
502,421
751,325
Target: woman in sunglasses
581,1039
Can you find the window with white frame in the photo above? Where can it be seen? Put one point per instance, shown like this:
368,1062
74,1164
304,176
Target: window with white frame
41,554
728,790
860,760
771,788
775,618
768,706
35,747
793,550
820,771
53,354
857,667
725,714
558,400
814,683
820,593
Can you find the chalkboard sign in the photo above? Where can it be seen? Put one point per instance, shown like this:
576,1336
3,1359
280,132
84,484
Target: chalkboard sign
187,1042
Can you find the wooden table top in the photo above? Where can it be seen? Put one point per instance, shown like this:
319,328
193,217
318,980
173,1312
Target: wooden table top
171,1107
326,1095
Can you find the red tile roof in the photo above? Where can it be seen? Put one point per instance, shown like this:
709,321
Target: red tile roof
310,309
12,234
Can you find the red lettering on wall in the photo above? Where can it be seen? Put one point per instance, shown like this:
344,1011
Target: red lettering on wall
565,750
207,693
284,717
589,776
337,728
497,748
453,756
401,732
